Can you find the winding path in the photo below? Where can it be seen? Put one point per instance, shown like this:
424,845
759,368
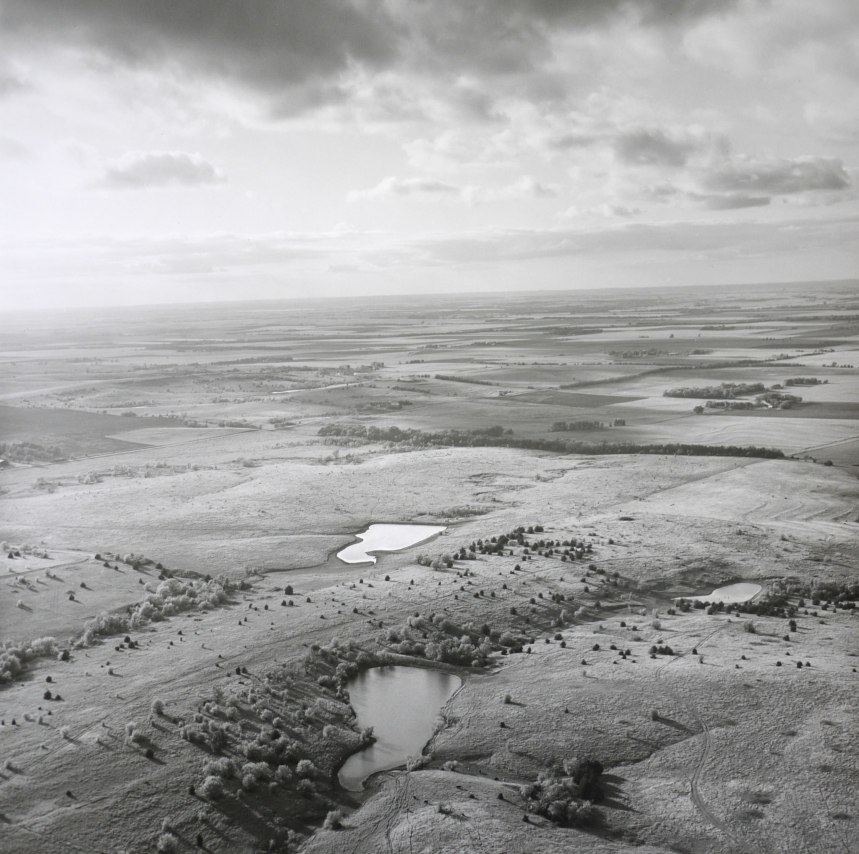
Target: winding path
700,765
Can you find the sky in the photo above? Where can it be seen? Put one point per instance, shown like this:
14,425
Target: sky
157,151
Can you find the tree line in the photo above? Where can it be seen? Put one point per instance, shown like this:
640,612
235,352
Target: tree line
489,439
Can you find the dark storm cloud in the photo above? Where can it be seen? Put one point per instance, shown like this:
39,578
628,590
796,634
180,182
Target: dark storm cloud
778,176
275,46
266,43
143,169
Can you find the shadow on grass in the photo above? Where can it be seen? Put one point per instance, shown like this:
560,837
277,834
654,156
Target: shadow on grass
675,724
612,793
251,819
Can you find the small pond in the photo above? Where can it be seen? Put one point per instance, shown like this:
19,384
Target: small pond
402,705
386,538
730,594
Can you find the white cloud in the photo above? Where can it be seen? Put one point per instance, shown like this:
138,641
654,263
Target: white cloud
418,188
12,149
431,189
144,169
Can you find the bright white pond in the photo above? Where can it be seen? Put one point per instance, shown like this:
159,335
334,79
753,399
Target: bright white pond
386,538
730,594
401,704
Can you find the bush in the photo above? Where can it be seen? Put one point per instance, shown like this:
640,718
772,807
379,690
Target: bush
167,844
157,707
212,788
334,820
305,769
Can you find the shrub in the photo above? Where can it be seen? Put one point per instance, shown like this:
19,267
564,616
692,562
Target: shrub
333,820
157,707
749,627
222,767
305,769
212,788
167,844
507,699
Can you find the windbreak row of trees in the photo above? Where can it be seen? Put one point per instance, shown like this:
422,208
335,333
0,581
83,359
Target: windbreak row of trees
584,425
724,391
486,439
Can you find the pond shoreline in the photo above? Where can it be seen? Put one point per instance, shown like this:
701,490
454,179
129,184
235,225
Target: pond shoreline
387,538
401,718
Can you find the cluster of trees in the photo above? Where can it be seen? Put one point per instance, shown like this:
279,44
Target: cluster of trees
637,354
24,549
15,656
171,596
28,452
661,649
804,381
779,399
462,439
729,404
566,793
843,594
496,545
769,605
459,379
437,638
584,425
724,391
772,399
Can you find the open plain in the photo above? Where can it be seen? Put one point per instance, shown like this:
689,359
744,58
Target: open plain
179,634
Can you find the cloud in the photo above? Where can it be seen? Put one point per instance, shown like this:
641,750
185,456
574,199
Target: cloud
651,148
700,241
604,211
422,188
12,82
301,55
145,169
525,187
734,201
12,149
267,46
431,189
669,148
777,176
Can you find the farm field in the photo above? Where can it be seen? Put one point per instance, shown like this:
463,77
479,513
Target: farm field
179,634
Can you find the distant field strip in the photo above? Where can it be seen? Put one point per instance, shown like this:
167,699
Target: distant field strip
574,399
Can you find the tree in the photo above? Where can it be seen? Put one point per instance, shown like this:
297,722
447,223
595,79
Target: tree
212,788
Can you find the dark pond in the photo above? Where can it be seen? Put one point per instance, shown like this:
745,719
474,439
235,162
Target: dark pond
402,705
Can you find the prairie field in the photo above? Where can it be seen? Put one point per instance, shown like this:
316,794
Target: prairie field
178,633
